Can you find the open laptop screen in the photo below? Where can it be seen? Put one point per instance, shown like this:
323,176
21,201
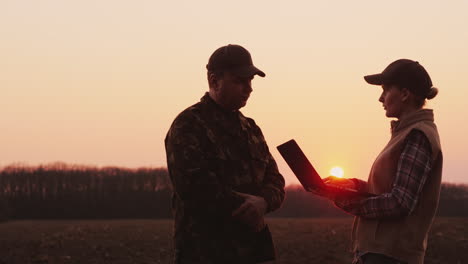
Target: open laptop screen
309,177
300,165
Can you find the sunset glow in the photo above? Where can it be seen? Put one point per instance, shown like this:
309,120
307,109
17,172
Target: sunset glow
100,82
337,172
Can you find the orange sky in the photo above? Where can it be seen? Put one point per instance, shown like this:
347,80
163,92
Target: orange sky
99,82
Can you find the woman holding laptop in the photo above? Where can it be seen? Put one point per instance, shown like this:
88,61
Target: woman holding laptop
392,227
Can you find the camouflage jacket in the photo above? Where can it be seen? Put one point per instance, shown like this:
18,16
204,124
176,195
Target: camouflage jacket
210,154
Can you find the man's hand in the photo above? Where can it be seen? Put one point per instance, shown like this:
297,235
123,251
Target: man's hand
251,212
343,182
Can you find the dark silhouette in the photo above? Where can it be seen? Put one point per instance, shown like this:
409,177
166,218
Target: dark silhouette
393,226
224,178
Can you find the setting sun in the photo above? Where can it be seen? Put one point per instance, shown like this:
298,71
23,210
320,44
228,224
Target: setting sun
337,172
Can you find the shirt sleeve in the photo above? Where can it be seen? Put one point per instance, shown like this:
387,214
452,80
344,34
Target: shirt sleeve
413,169
194,177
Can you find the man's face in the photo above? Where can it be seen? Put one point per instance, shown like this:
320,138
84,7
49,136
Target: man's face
233,91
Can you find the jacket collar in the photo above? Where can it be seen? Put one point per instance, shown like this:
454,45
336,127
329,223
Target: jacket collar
417,116
225,118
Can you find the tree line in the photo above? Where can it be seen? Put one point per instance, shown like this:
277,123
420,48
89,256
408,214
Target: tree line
71,191
60,191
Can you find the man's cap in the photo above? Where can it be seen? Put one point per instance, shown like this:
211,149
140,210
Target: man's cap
406,74
235,59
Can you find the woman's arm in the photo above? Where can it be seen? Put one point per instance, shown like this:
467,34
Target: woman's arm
413,169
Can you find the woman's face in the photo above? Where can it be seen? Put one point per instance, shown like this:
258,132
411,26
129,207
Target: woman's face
393,100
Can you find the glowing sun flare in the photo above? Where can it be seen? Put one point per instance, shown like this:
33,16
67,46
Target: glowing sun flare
337,172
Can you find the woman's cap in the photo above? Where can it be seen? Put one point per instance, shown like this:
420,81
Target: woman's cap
406,74
235,59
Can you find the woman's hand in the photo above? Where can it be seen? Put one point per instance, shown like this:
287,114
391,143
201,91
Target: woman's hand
343,182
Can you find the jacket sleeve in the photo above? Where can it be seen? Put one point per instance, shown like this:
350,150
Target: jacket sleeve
272,189
273,185
194,177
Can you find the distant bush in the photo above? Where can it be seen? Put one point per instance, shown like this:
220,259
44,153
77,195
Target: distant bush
60,190
299,203
4,210
453,200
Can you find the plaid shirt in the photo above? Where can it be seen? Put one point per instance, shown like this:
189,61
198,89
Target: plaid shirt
413,169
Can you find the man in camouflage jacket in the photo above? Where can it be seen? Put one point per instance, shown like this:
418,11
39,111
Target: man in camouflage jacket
223,175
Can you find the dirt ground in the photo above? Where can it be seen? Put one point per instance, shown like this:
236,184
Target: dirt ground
309,240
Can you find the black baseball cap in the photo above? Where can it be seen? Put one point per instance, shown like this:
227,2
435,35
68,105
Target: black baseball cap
406,74
235,59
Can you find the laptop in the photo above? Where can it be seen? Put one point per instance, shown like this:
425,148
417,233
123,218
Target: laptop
308,176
